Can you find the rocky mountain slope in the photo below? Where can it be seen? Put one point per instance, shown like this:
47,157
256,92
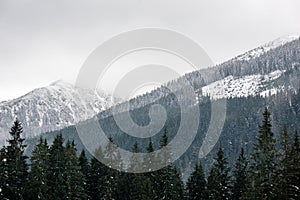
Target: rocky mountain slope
50,108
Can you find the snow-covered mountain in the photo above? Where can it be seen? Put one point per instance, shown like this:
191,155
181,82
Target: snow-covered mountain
263,71
243,85
51,108
254,53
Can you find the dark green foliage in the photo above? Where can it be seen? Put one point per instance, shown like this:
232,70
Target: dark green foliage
74,178
213,187
294,168
57,167
196,185
220,178
168,179
14,172
240,176
140,184
85,168
38,186
58,173
111,178
289,166
264,166
3,174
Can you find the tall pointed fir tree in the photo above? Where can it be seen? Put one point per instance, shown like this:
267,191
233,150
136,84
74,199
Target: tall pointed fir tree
151,159
292,172
40,171
196,184
57,177
240,176
264,166
15,167
213,187
3,172
140,184
220,178
168,179
283,172
85,169
74,177
96,176
111,180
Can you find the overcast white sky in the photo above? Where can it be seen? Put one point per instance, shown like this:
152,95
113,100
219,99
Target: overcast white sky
43,41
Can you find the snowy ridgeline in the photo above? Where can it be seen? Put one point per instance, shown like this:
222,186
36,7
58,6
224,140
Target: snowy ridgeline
267,47
51,108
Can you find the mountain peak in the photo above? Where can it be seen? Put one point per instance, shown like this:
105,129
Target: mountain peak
254,53
281,41
49,108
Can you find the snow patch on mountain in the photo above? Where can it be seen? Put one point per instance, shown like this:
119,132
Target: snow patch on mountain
250,85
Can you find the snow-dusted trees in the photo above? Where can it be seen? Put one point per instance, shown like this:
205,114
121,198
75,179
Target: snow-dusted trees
14,169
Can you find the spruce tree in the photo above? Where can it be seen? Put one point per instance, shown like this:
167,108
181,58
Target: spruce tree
3,171
196,185
111,179
293,177
168,179
73,175
140,184
240,176
96,176
284,175
264,166
57,177
220,175
213,186
152,176
15,167
85,168
40,171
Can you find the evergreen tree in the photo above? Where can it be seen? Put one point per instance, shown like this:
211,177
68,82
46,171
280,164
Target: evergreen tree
264,164
124,183
283,172
111,179
140,187
40,171
98,171
168,179
221,178
213,186
293,169
85,168
74,177
240,176
3,172
150,159
57,177
153,177
15,167
196,184
73,174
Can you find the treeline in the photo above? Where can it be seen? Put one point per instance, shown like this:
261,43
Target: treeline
56,172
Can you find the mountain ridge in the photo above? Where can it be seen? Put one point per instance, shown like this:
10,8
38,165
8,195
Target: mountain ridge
62,94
